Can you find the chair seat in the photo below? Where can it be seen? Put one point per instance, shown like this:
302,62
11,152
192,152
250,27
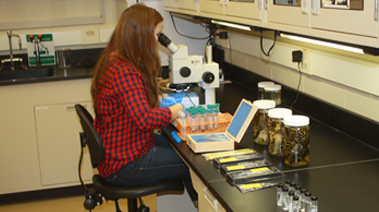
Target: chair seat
116,192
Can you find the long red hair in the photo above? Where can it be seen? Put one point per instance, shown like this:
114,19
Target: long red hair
133,40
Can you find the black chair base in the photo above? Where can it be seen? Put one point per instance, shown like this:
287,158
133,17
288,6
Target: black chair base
113,192
92,139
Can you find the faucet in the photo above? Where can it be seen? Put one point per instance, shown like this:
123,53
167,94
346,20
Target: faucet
11,59
36,41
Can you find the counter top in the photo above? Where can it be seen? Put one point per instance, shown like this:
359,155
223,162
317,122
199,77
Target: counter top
351,187
74,72
342,171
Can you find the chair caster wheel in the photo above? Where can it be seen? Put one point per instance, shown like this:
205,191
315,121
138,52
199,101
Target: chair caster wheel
143,208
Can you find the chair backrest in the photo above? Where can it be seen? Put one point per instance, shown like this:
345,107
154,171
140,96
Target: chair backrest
94,142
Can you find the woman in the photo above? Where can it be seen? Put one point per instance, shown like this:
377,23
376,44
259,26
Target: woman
126,101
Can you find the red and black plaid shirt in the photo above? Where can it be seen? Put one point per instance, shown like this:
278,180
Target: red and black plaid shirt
125,121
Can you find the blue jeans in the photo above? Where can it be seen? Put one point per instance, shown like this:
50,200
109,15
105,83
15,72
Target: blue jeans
161,163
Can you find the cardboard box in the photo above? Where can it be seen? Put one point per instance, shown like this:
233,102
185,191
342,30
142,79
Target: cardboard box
209,142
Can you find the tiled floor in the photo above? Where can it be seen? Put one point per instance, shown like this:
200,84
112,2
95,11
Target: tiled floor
166,203
72,204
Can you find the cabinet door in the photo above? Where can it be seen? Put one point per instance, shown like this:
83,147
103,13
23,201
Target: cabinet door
212,6
359,17
170,3
188,5
245,9
18,153
207,202
59,146
289,12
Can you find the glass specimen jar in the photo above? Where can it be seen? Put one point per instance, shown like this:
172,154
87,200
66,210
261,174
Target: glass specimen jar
261,88
273,92
296,140
276,130
260,121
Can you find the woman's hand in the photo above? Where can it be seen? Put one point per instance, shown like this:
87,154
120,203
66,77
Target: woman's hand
175,109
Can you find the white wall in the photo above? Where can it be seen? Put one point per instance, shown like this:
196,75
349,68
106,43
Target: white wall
347,80
185,27
77,37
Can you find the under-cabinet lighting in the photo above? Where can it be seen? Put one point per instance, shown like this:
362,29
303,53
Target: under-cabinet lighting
323,43
237,26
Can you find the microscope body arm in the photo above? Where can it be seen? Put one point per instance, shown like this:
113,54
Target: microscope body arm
192,69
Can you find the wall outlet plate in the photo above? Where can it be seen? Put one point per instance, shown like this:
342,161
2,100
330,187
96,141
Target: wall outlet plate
90,35
305,65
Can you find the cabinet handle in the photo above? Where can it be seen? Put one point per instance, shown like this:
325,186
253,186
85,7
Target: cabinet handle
226,3
314,7
210,199
259,4
376,10
266,5
221,2
304,6
72,107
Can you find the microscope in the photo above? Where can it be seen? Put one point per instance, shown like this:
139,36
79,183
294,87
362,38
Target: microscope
186,69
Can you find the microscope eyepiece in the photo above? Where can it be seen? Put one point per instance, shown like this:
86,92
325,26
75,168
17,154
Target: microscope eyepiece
166,42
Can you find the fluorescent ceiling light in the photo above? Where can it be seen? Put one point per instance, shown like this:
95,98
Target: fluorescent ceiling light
237,26
323,43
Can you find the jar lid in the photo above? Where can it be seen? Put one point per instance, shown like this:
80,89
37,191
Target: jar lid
264,104
296,120
273,88
279,113
264,83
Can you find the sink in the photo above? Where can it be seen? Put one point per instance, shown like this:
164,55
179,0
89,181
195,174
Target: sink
22,74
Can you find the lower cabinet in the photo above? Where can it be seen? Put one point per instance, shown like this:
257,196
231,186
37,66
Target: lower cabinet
59,146
19,152
207,202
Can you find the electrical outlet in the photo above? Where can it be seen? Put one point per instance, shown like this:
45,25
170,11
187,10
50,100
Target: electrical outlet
90,35
90,32
306,63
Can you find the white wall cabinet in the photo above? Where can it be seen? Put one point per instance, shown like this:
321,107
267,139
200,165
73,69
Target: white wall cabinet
360,22
190,5
250,10
356,24
171,3
212,6
311,13
297,15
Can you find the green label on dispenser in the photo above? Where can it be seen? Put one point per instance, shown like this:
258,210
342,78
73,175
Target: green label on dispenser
45,49
45,60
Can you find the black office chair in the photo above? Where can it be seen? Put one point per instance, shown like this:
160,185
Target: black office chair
103,189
